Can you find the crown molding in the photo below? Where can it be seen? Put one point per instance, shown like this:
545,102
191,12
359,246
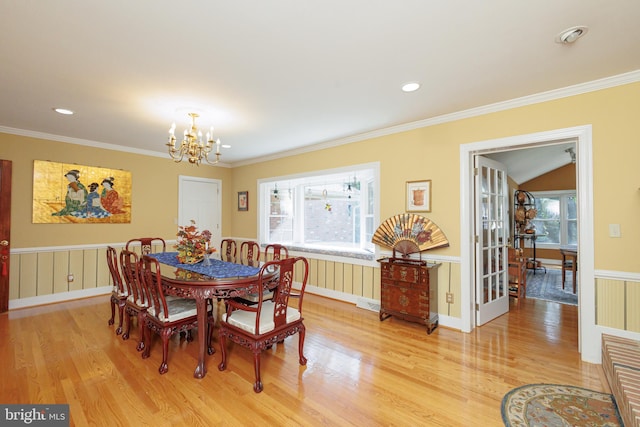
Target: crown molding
90,143
592,86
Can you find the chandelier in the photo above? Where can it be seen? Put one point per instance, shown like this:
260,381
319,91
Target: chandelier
192,144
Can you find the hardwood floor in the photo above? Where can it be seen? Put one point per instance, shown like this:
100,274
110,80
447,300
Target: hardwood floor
361,371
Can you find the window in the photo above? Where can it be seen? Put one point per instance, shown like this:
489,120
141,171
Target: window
332,211
557,218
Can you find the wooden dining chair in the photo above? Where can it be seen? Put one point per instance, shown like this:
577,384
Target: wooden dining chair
517,271
118,291
137,301
146,245
250,254
275,251
569,263
168,316
228,249
250,251
258,327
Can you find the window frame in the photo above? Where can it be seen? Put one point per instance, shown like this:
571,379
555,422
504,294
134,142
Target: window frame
563,195
366,251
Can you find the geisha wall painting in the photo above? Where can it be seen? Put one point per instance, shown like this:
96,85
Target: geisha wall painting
69,193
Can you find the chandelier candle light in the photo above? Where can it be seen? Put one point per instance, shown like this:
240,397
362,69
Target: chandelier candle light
192,144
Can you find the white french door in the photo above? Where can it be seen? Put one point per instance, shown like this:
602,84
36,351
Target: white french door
491,231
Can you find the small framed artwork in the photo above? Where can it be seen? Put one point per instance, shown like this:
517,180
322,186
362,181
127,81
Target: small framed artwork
243,200
419,196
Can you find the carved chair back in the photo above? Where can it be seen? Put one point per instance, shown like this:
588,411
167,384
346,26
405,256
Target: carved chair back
146,244
250,251
228,248
275,251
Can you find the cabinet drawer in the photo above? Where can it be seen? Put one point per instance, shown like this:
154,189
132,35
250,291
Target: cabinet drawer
410,274
405,299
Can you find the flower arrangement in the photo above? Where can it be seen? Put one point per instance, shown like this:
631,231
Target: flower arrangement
192,245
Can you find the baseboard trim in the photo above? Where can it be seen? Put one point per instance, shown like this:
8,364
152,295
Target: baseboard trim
60,297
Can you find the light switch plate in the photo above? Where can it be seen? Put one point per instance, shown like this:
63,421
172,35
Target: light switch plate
614,230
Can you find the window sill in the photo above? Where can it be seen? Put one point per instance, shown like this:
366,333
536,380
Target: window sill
335,252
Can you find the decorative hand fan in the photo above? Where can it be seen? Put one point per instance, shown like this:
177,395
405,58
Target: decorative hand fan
409,233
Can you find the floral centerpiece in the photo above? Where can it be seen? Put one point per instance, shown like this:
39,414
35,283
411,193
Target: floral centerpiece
193,245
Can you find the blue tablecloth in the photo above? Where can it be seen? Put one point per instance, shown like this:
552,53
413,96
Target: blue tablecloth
218,269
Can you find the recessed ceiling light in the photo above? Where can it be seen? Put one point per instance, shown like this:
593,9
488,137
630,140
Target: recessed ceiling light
226,146
410,87
572,34
63,111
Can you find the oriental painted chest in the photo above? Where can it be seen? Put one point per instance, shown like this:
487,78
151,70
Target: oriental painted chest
409,291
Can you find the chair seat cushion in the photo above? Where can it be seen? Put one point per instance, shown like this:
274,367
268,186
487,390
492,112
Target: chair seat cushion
178,308
255,298
246,320
137,302
116,292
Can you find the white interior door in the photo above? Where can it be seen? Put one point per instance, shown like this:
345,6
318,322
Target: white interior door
200,200
492,231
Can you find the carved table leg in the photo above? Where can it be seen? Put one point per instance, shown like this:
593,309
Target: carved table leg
201,307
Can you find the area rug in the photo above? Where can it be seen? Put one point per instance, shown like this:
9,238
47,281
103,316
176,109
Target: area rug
558,405
548,286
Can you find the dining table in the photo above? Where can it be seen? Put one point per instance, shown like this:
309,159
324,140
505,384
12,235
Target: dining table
569,259
215,279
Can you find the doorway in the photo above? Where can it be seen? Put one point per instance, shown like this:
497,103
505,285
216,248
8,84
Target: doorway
199,199
589,337
5,232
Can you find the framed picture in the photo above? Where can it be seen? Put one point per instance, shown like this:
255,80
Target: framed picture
68,193
419,196
243,200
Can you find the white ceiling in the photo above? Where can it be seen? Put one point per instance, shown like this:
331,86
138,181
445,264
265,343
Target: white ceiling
524,164
278,75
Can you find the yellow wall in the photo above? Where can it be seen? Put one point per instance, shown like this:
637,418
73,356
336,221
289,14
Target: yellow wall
434,153
407,156
154,193
563,178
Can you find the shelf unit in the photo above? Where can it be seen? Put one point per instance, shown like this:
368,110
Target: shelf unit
524,211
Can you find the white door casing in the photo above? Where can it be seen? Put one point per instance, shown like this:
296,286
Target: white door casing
199,199
589,334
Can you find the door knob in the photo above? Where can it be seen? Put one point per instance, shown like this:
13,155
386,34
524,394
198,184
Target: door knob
4,243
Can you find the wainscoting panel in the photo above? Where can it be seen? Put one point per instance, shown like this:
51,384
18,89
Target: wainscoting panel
347,279
39,273
372,286
76,266
338,278
320,276
313,270
58,271
610,296
329,274
14,283
40,276
632,305
449,281
45,273
358,286
28,273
